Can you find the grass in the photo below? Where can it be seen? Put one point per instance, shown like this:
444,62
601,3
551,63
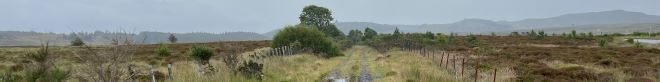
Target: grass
403,66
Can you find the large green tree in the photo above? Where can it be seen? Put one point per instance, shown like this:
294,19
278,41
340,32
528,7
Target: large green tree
321,18
307,38
355,36
369,33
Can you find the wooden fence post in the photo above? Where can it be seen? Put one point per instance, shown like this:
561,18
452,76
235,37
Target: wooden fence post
462,66
151,72
447,61
495,75
169,71
476,71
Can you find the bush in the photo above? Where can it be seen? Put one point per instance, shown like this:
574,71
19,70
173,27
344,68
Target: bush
201,53
602,42
42,68
162,50
77,42
308,38
630,40
252,69
472,41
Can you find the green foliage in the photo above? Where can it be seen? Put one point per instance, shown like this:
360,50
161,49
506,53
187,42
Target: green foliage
355,36
42,68
370,33
441,38
162,50
452,38
602,42
396,33
9,76
542,34
201,53
308,38
532,34
429,35
77,42
320,18
172,38
493,34
638,45
630,40
573,34
472,41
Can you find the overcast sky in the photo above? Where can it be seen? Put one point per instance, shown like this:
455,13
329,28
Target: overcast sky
265,15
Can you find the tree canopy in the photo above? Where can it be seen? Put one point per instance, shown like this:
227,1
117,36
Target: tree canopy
320,18
308,38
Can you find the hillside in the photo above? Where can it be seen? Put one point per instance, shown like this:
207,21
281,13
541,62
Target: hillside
614,20
18,38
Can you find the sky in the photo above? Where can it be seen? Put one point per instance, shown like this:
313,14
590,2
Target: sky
217,16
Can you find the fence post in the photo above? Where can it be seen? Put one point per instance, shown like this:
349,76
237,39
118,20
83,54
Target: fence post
169,71
442,57
495,75
476,71
130,72
462,66
447,61
151,72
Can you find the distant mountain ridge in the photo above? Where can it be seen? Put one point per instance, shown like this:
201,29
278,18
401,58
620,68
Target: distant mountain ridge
18,38
486,26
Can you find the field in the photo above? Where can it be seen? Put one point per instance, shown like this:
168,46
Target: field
501,58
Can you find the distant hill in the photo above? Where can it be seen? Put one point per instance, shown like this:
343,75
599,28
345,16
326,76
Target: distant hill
17,38
615,19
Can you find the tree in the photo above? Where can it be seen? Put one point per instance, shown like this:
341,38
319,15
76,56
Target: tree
602,42
320,18
429,35
308,38
355,36
397,33
369,33
77,42
573,34
441,38
172,38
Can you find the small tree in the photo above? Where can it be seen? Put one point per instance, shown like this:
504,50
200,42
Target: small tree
172,38
42,67
514,34
355,36
77,42
396,33
638,45
441,38
162,50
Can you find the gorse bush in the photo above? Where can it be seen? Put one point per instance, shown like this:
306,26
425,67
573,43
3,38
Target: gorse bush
162,50
308,37
201,53
77,42
602,42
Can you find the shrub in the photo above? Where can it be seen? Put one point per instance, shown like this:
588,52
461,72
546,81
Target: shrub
472,41
77,42
162,50
201,53
630,40
252,69
308,38
602,42
42,68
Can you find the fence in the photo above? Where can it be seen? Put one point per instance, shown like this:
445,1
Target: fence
133,70
458,64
